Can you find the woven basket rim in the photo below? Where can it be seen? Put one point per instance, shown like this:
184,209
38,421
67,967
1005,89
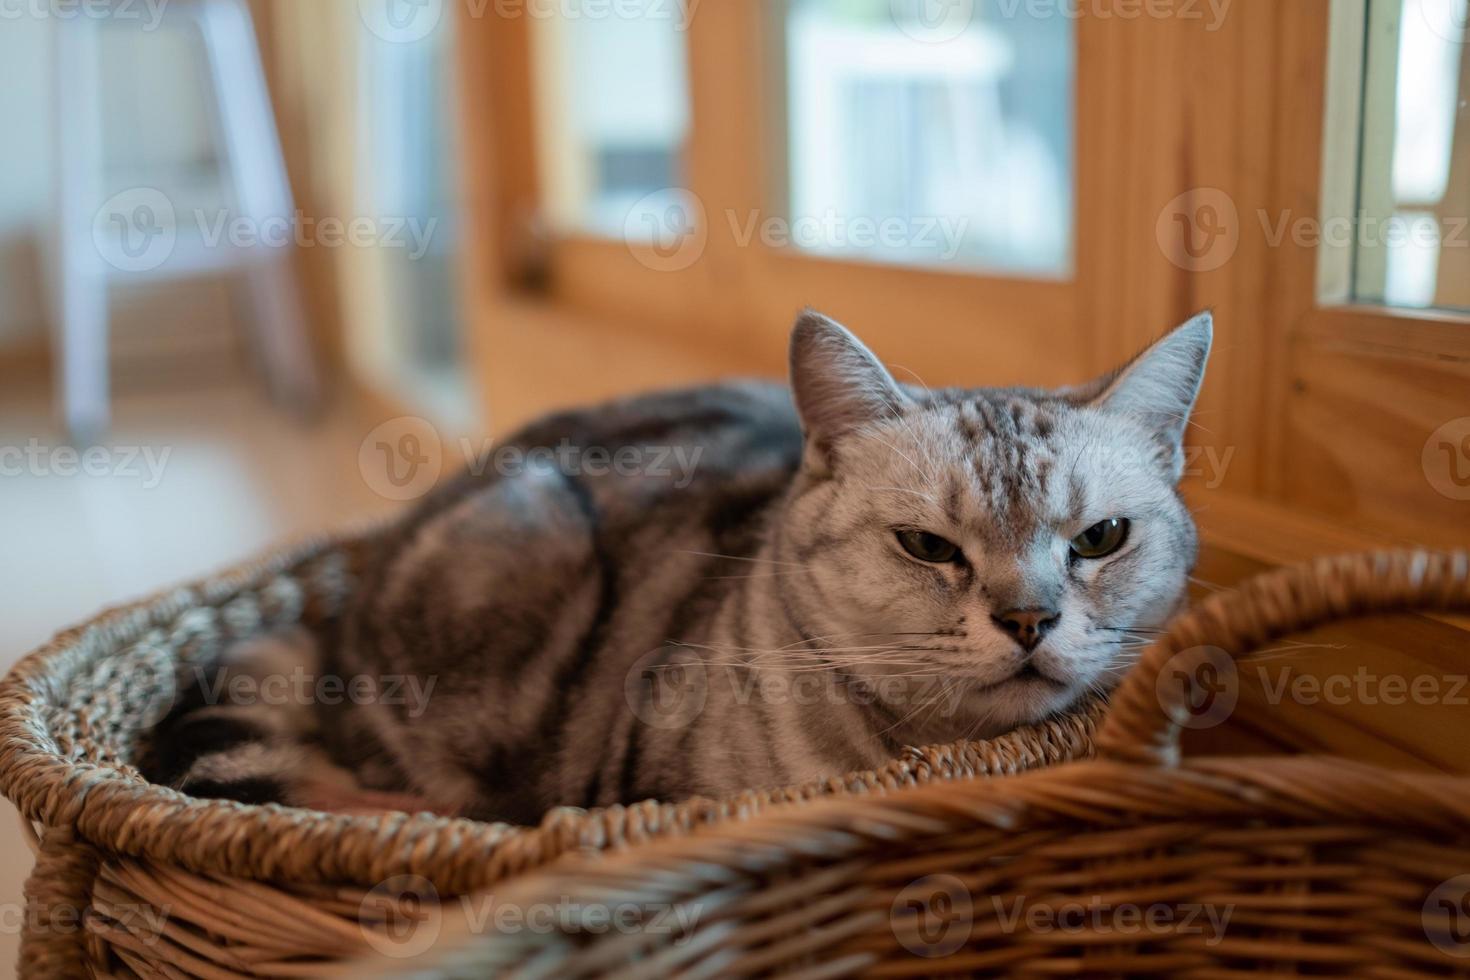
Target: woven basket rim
120,812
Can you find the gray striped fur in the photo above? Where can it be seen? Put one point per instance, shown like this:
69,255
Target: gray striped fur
601,639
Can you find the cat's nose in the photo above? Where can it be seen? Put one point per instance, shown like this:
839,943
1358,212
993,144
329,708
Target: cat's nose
1027,626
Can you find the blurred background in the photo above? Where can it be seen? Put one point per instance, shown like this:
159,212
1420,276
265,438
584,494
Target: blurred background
273,267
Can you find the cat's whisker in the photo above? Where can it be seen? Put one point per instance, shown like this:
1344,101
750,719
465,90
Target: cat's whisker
928,477
922,496
749,558
798,571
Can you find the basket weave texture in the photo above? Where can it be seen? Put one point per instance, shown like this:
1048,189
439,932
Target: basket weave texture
1122,865
137,880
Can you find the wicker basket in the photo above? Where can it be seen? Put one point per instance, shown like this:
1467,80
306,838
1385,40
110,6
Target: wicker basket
133,879
1136,862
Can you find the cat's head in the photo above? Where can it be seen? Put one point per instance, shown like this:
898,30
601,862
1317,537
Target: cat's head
1020,541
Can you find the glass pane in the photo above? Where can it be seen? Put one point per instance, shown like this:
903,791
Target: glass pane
615,113
1413,248
922,131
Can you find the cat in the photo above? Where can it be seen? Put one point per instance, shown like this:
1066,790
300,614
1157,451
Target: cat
853,566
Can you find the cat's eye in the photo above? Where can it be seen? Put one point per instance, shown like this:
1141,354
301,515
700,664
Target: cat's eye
1102,539
928,547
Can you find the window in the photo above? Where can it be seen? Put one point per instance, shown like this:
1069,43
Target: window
938,134
1412,247
614,115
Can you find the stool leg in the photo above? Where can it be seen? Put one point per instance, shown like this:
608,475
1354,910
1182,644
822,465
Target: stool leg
257,172
80,295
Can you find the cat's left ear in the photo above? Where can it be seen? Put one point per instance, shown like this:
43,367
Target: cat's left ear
1159,386
839,385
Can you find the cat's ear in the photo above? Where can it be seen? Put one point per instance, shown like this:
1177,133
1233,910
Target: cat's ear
838,384
1159,386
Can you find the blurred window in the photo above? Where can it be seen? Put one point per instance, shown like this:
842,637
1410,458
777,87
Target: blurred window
1412,246
614,114
931,132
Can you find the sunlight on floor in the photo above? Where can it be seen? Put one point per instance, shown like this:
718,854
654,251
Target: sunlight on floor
185,484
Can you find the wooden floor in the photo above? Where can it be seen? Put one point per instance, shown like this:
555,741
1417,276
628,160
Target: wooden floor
238,476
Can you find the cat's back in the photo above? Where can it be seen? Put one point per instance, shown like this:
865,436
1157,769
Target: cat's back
682,449
607,494
591,539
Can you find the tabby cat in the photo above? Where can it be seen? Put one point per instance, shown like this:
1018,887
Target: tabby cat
854,566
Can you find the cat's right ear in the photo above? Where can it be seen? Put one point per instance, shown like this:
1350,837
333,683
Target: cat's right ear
839,385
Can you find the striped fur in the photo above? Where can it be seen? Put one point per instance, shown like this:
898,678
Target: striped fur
594,639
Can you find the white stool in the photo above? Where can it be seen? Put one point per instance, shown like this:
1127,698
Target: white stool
134,236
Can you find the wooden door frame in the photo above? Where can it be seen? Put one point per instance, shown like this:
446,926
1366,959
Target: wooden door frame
1174,114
